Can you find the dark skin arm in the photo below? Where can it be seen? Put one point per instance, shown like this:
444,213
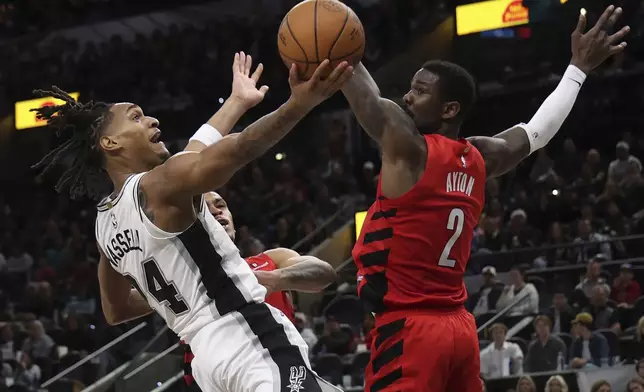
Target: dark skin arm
307,274
120,302
403,149
167,191
506,150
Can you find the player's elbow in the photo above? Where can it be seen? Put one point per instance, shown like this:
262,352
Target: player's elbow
114,315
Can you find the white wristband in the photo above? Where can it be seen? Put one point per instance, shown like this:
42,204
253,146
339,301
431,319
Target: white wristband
207,134
547,121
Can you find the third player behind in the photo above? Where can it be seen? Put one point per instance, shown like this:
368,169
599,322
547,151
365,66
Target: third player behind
415,242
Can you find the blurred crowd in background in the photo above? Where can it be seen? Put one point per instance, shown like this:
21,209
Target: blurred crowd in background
585,189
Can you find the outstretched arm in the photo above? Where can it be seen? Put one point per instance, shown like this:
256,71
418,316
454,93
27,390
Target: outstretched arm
382,118
506,150
294,272
120,302
188,175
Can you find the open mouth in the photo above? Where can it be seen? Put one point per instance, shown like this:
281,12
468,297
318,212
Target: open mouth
156,137
223,221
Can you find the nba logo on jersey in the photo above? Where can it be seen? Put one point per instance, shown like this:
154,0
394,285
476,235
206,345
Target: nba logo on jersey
115,224
463,161
298,375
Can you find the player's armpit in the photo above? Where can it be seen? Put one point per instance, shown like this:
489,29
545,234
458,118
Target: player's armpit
504,151
119,301
382,119
301,273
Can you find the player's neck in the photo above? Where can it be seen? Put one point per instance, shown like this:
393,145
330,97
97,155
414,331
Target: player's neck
119,174
449,130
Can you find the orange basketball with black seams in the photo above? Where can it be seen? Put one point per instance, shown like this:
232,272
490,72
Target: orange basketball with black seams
315,30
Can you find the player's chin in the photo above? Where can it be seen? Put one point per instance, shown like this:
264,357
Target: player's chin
161,150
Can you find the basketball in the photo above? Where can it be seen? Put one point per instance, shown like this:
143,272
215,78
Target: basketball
315,30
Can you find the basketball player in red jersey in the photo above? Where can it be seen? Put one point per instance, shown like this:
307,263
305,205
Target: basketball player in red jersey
415,242
279,270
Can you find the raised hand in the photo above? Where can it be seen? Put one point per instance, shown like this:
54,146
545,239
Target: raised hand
244,84
314,91
591,49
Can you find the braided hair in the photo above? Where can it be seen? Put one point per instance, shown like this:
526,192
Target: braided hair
79,155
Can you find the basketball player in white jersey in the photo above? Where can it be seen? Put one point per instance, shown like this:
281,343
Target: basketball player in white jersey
155,233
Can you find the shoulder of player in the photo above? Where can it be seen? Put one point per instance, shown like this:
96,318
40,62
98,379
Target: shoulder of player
156,184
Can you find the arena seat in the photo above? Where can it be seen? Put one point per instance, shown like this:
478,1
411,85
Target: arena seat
566,338
330,368
613,343
346,309
358,366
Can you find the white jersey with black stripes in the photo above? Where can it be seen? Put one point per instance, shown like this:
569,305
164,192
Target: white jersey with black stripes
190,278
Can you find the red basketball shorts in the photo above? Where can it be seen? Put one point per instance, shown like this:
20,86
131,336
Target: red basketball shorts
424,352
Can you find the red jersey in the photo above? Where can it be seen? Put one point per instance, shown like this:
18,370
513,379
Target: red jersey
413,250
281,299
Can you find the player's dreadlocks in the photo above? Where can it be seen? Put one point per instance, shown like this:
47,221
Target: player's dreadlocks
80,154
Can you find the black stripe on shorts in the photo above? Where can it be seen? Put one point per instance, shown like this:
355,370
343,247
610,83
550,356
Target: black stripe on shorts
228,298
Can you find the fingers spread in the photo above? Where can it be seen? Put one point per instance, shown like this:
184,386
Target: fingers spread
258,72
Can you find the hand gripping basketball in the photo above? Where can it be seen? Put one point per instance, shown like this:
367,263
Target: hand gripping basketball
314,91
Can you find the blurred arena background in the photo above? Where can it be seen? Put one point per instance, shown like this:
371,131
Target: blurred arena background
569,222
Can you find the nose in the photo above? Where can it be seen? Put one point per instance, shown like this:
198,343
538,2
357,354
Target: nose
407,99
154,123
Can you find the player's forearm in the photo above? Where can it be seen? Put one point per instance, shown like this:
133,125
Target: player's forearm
549,118
219,125
363,95
217,163
309,275
228,115
136,306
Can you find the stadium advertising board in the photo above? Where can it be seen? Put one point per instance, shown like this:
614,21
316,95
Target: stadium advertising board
26,119
359,218
490,15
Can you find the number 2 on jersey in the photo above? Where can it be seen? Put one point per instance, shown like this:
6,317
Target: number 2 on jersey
163,291
455,223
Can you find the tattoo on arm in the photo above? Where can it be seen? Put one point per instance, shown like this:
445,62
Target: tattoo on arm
307,276
143,205
363,95
264,133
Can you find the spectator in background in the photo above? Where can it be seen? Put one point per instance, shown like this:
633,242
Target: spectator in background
590,347
526,384
604,316
519,288
618,168
601,386
636,385
625,289
584,290
335,340
487,297
7,349
639,335
556,384
38,344
544,350
560,312
496,358
518,234
19,261
586,233
27,374
304,328
639,367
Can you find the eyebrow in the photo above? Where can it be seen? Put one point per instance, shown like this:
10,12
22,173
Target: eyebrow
132,106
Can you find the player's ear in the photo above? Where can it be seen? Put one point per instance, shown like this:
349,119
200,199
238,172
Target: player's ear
451,110
108,144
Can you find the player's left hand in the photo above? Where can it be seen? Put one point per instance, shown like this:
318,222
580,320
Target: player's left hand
244,84
268,279
591,49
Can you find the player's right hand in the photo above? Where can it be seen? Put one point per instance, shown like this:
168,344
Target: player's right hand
312,92
591,49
